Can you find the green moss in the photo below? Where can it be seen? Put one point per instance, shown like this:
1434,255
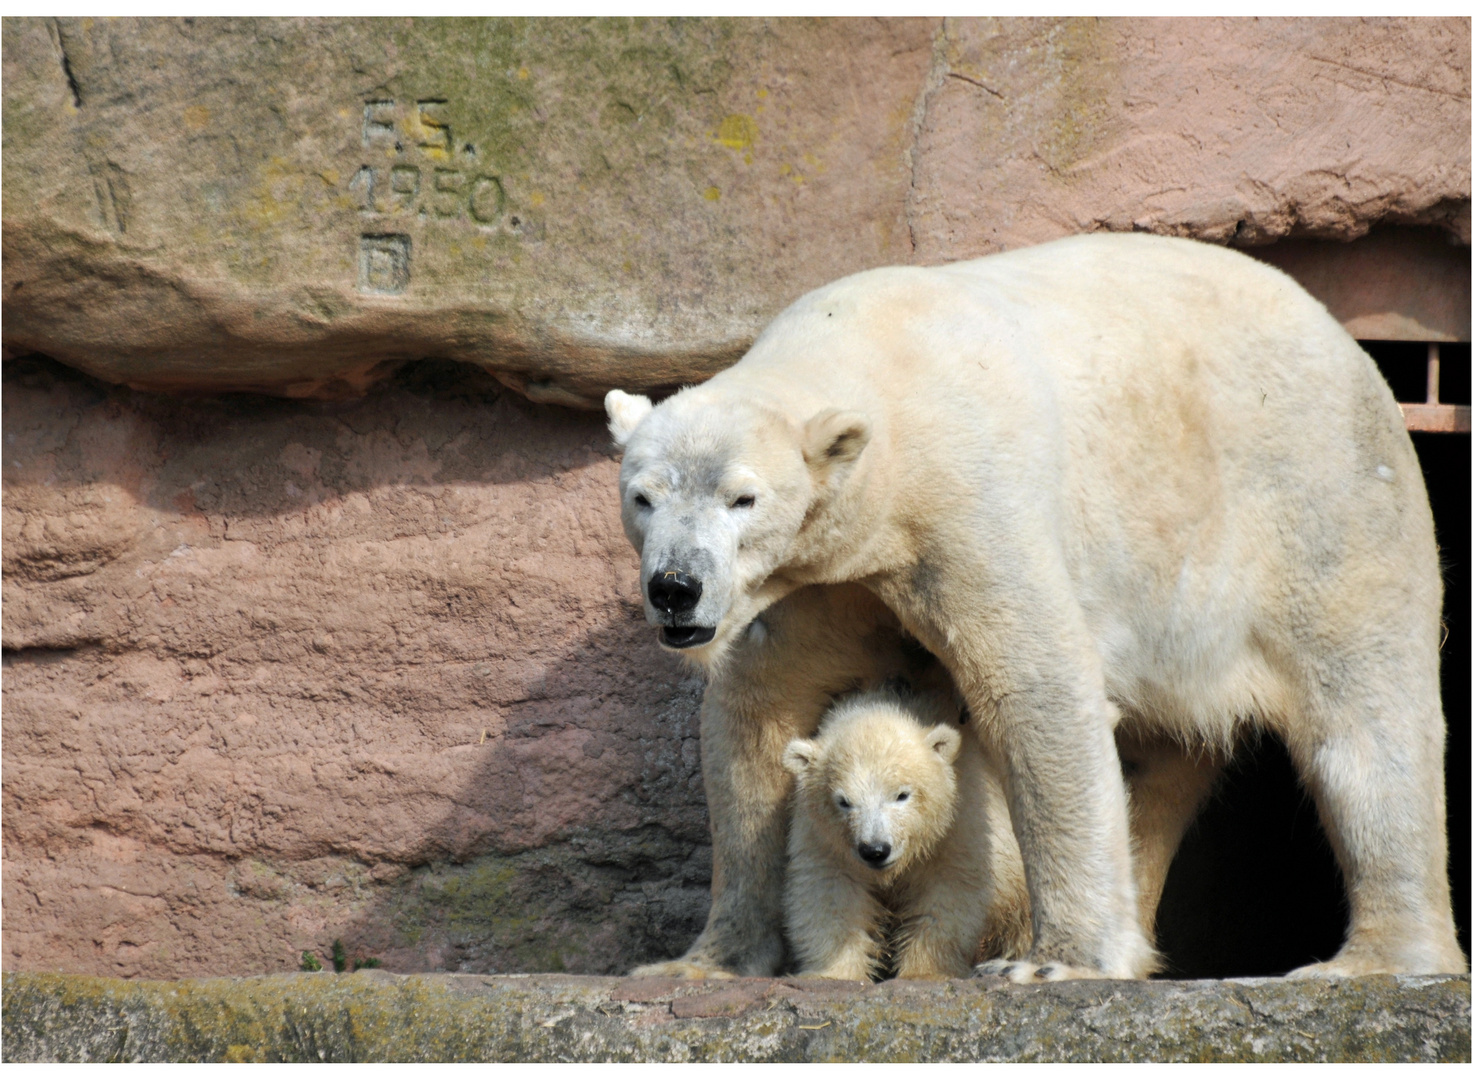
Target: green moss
485,903
580,905
1084,51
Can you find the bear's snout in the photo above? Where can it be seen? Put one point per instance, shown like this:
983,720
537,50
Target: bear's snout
674,592
874,854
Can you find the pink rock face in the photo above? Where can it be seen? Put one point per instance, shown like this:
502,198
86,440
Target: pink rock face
579,206
263,659
1220,129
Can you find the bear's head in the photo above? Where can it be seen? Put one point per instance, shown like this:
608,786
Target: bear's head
715,494
878,781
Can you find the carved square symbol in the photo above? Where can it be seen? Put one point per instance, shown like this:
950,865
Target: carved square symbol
383,263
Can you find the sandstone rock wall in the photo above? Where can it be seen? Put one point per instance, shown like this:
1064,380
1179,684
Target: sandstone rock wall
282,673
290,205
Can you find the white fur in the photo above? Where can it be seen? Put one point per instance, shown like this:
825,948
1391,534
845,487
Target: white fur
625,412
908,780
1110,476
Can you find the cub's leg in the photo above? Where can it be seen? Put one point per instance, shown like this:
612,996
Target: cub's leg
771,688
1370,751
833,924
941,942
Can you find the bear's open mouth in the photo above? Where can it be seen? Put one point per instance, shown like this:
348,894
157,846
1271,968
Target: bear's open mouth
685,637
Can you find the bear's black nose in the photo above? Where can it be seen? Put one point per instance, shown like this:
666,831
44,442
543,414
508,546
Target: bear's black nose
674,592
874,854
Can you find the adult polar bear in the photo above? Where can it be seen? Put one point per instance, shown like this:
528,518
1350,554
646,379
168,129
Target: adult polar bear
1110,475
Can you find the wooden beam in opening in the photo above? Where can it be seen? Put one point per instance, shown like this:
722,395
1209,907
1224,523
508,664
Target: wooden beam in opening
1432,414
1448,419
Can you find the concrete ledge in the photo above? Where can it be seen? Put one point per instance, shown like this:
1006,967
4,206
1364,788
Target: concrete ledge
376,1016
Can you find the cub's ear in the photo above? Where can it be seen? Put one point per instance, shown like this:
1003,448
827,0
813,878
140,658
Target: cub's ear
833,439
625,412
799,757
946,741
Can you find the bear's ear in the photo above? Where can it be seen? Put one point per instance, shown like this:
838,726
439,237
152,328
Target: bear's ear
625,412
799,757
946,741
833,439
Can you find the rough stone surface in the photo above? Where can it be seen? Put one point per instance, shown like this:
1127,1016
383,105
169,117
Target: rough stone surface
291,205
376,1017
1235,130
280,673
283,205
1392,285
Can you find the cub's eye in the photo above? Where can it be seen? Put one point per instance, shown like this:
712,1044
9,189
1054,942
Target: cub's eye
902,796
744,501
641,501
843,802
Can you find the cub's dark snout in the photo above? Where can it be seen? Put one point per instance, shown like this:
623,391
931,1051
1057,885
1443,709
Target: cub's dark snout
674,592
874,854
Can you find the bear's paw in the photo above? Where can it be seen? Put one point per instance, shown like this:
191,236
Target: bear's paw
679,969
1024,971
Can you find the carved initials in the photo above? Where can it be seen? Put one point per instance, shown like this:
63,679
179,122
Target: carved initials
378,122
435,122
451,192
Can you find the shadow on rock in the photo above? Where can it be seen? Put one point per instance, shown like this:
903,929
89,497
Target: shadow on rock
280,674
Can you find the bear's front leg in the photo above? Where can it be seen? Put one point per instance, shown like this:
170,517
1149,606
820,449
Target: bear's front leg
1067,798
1022,656
747,792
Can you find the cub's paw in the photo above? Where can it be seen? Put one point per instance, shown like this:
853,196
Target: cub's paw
1025,971
679,969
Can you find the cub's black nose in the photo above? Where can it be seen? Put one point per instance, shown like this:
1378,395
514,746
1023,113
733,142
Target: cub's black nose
674,592
874,854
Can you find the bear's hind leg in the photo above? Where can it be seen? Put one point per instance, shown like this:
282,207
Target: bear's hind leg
1166,785
1374,766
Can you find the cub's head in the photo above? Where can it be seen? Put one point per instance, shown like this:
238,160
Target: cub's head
715,492
878,780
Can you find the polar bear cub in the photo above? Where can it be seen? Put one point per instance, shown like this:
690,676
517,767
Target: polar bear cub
901,854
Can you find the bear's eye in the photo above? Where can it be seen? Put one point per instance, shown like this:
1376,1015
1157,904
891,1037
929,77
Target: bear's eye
843,802
902,796
641,501
743,502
